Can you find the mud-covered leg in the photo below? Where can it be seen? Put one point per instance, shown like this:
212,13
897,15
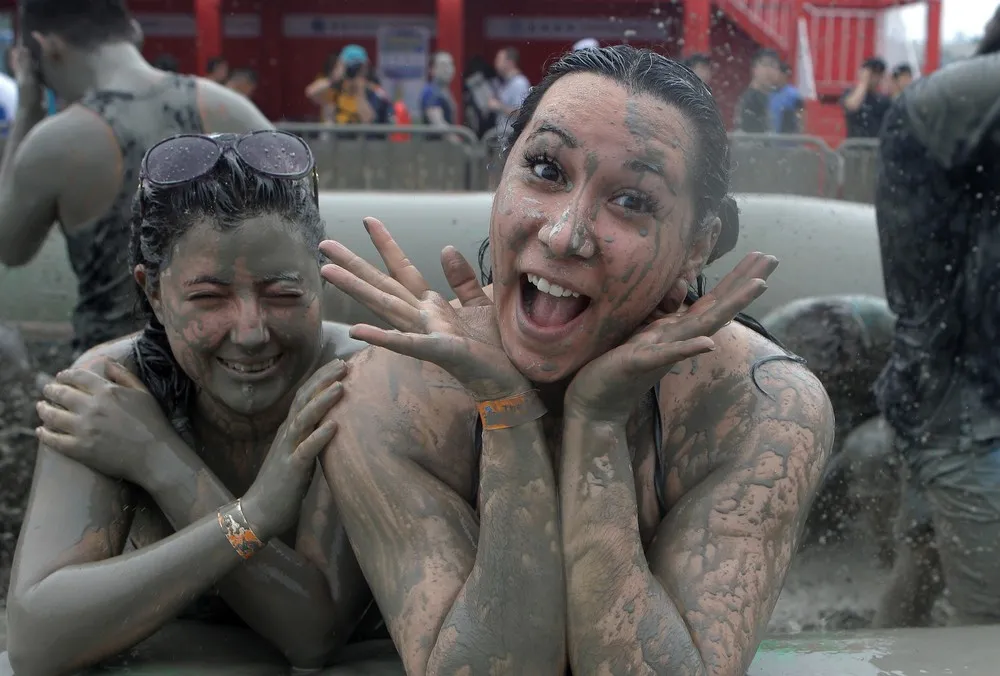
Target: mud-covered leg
916,580
873,467
966,506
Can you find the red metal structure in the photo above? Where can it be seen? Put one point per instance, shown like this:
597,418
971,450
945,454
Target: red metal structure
287,41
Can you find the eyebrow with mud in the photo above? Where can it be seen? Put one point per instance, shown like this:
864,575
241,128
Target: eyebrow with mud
548,128
293,277
643,167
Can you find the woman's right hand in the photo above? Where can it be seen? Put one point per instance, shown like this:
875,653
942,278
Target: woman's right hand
273,502
426,326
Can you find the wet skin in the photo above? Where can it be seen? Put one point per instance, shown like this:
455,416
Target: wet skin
68,167
76,598
565,559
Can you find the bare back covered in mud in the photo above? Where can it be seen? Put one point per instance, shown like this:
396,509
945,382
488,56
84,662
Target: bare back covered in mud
580,469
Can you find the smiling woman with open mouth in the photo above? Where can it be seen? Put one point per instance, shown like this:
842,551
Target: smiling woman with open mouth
586,466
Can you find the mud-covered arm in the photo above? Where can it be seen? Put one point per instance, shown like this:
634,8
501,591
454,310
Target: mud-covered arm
305,601
701,601
75,599
68,167
460,595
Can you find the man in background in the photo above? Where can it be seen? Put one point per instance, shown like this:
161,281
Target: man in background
346,95
936,201
902,76
218,70
753,112
786,104
865,105
437,105
701,64
80,167
511,88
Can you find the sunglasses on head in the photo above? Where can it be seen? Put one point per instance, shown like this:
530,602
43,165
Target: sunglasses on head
187,157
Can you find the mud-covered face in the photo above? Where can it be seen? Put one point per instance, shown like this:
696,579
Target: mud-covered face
242,311
591,223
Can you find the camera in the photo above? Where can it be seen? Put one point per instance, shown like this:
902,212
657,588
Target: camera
352,70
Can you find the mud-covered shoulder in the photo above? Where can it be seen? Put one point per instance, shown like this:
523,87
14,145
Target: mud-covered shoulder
402,407
719,407
337,342
120,350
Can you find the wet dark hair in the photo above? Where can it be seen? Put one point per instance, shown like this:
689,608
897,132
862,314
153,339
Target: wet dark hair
82,23
228,195
901,69
167,62
641,71
215,62
991,36
513,54
766,54
875,64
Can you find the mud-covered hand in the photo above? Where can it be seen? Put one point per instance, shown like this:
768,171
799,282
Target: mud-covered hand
425,325
607,388
462,279
110,424
273,502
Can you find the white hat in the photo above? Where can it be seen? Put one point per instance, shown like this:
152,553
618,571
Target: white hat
586,43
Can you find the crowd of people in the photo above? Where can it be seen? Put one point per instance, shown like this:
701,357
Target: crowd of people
564,468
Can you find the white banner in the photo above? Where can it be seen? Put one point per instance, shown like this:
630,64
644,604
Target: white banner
403,56
349,25
162,25
570,29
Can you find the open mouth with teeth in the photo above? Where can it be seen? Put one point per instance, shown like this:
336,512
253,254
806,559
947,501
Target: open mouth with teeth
548,305
248,368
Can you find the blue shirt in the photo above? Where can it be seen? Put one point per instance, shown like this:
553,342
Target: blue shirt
785,99
434,96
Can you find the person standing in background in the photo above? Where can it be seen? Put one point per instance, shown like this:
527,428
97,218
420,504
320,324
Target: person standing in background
902,76
865,105
218,70
346,95
786,104
437,105
119,105
936,201
477,91
511,89
753,112
701,64
243,81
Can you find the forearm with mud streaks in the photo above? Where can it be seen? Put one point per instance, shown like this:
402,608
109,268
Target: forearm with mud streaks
279,593
93,611
620,619
510,617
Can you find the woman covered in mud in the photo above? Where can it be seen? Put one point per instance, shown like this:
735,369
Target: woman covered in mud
592,470
176,473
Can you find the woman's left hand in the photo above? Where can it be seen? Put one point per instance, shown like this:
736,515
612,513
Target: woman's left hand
108,424
607,388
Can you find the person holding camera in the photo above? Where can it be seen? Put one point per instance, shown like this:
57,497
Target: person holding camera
865,105
346,95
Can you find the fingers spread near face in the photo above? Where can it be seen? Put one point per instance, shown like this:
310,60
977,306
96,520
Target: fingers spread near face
342,257
396,262
462,279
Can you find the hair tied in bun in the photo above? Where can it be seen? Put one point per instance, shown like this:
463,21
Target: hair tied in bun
729,215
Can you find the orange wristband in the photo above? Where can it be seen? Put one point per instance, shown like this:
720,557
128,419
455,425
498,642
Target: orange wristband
239,533
502,414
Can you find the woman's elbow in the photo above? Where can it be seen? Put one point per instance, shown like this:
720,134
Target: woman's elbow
28,650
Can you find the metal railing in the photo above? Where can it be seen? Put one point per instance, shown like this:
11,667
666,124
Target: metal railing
425,158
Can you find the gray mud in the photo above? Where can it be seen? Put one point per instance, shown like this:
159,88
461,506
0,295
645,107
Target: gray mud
18,394
832,585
